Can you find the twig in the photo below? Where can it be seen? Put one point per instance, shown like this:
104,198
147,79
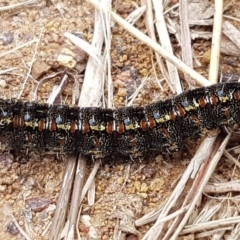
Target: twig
30,68
231,158
85,46
63,199
210,224
232,18
7,70
40,83
187,56
19,47
153,45
151,34
16,5
166,44
58,89
90,179
76,194
216,40
232,186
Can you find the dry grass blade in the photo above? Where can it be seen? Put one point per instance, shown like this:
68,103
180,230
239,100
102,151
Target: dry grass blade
216,42
232,18
30,68
7,70
208,212
232,33
76,193
232,186
210,225
153,45
136,15
151,33
166,44
235,234
187,55
19,47
90,179
217,231
42,81
16,5
63,200
83,45
190,172
20,229
58,90
149,217
231,158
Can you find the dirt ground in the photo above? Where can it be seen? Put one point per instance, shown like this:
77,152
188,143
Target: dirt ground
30,185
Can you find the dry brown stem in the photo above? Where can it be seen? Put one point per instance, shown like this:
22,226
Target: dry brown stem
151,33
187,55
166,44
63,199
232,186
216,40
13,6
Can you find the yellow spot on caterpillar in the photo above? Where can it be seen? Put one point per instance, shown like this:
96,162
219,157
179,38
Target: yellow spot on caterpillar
163,119
189,108
63,127
97,128
132,127
224,99
29,124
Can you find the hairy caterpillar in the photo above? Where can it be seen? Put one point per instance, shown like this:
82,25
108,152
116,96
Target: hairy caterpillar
131,131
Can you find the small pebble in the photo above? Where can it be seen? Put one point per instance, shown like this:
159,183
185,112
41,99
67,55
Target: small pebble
3,83
11,228
37,204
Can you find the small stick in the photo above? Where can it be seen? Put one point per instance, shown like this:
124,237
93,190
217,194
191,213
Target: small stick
19,228
30,68
211,224
216,42
63,199
19,47
16,5
5,71
151,33
58,89
166,44
232,186
187,56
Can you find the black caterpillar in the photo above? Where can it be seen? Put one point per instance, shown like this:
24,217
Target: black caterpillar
130,131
